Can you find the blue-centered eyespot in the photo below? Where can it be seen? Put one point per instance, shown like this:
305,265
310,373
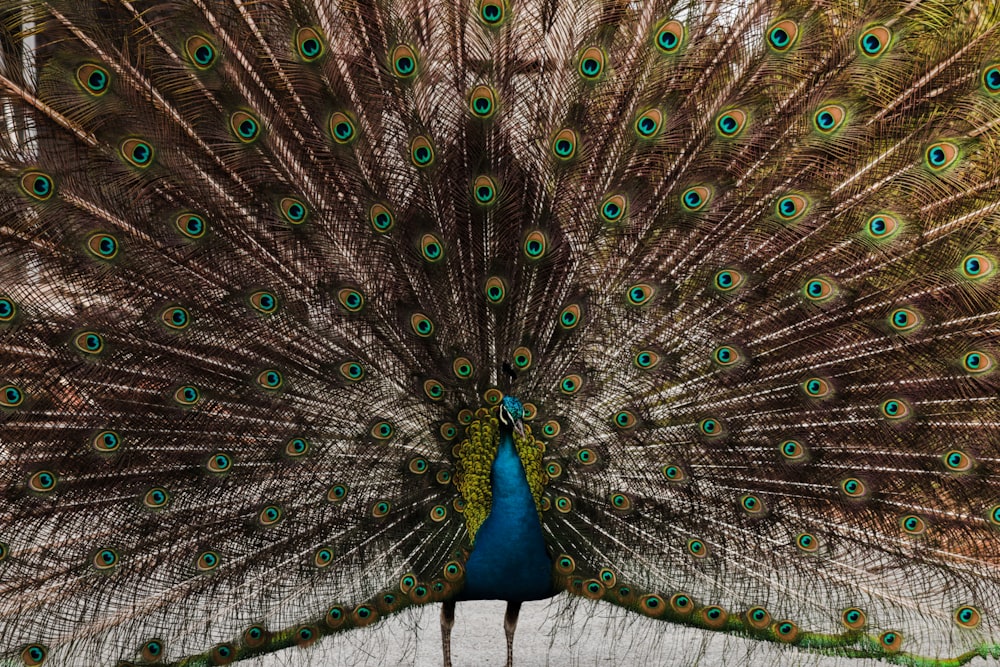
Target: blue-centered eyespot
977,267
613,208
791,207
463,368
991,79
381,218
792,450
421,324
270,515
646,359
752,504
977,362
137,152
309,44
255,636
351,299
957,461
710,427
491,12
853,618
649,123
495,289
786,631
853,487
336,493
34,655
11,396
895,409
421,151
782,35
817,387
296,447
697,548
105,559
106,441
381,508
904,319
726,355
352,370
881,226
620,502
551,428
244,126
433,389
37,185
219,462
293,210
200,52
624,419
8,309
570,316
482,102
270,379
103,246
639,294
431,248
42,481
207,561
522,358
484,190
673,473
592,63
818,290
570,384
731,123
968,617
191,225
93,78
696,198
891,641
873,42
669,37
176,317
564,144
681,604
156,498
535,245
758,618
829,118
807,542
941,155
404,61
586,456
264,301
187,395
342,128
727,280
89,342
913,524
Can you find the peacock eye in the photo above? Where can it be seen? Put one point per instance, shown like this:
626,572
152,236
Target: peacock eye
807,542
156,498
535,245
941,155
482,102
430,248
265,302
136,152
669,37
296,447
873,42
977,267
342,128
968,617
591,63
200,52
93,78
646,359
421,151
782,35
752,504
191,225
791,207
421,324
381,218
352,370
570,316
977,362
106,441
245,126
564,144
570,384
731,123
991,79
309,44
270,379
491,12
293,210
219,462
208,561
187,395
649,123
522,358
639,294
895,409
613,208
726,355
351,299
912,524
103,246
816,387
792,450
829,118
854,618
404,61
89,342
37,185
484,190
696,198
957,461
818,290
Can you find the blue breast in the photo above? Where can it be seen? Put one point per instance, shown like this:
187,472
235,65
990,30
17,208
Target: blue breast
509,560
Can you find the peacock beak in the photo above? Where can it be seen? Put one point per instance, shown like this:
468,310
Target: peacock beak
519,427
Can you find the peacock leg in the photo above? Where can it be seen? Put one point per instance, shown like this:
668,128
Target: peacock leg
447,623
509,625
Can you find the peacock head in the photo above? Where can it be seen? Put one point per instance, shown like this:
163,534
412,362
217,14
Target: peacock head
512,414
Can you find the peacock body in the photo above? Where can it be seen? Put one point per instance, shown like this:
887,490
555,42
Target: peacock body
315,312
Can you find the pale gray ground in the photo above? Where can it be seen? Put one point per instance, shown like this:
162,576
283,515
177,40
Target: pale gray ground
542,640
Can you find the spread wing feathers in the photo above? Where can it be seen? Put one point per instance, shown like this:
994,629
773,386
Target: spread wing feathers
263,261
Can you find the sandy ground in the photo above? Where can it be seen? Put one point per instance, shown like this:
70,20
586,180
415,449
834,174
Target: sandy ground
541,640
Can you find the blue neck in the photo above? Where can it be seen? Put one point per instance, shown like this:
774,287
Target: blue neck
509,560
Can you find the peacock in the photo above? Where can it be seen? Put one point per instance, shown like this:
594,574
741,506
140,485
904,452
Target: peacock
313,312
